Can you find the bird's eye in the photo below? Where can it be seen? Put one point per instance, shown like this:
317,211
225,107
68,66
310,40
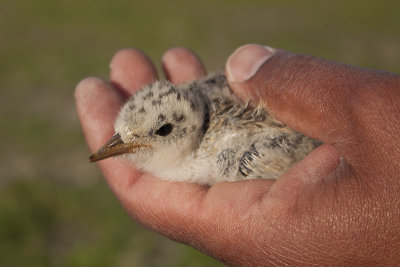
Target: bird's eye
165,130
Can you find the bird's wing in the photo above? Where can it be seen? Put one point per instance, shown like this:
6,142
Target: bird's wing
262,163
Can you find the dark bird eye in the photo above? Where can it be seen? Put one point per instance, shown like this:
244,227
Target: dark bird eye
165,130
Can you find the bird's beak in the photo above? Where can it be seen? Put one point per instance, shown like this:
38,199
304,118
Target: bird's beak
115,146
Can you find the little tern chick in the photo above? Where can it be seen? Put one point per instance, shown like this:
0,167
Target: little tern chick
201,132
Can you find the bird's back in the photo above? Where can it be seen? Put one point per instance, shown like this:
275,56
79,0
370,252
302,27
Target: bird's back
241,141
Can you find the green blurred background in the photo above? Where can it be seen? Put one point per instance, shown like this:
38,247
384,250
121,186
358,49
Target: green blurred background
55,208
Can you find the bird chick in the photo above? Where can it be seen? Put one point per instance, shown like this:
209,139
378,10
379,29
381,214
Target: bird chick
201,132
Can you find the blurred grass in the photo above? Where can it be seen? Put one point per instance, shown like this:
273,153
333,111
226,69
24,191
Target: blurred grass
55,209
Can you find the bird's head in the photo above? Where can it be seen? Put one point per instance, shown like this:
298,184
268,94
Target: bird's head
158,125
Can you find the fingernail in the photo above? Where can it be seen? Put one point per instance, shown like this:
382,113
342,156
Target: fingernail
246,61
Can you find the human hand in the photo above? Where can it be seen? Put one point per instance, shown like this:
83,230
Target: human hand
340,205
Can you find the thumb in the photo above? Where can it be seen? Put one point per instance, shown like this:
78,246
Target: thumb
307,93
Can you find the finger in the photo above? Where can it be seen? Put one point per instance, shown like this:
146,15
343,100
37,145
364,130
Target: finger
182,65
310,94
97,104
302,180
130,70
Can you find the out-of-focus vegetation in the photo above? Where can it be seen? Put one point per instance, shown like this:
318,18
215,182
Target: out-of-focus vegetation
55,208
